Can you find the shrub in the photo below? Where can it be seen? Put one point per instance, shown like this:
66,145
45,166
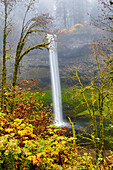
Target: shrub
21,148
29,140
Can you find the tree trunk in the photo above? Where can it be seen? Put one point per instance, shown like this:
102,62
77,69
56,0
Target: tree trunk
101,126
96,145
3,87
95,127
15,74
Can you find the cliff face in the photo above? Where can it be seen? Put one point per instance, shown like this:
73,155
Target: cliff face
72,54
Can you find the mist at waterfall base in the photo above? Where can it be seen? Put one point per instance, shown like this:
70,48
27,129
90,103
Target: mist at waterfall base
55,81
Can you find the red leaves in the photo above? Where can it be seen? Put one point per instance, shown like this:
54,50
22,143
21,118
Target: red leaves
25,81
17,164
36,160
28,108
31,79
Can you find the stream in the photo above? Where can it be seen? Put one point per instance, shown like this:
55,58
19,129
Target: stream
82,125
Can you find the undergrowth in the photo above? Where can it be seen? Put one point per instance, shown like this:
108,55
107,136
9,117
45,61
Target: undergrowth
29,140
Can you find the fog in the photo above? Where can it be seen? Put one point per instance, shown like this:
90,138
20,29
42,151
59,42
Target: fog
69,12
72,21
66,13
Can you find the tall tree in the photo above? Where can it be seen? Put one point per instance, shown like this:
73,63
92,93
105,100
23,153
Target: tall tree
38,25
103,53
105,22
61,13
8,5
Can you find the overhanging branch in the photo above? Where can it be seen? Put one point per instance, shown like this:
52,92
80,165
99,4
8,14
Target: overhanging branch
39,46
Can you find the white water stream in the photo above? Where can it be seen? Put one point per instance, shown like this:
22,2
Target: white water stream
55,80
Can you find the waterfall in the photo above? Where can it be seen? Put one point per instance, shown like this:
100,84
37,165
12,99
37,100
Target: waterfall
55,80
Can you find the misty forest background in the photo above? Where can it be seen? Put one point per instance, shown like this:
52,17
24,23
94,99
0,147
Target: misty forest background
28,137
71,45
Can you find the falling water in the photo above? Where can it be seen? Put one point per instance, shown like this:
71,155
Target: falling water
55,80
